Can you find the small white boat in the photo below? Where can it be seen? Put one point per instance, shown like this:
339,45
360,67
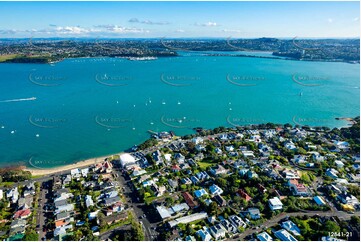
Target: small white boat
179,103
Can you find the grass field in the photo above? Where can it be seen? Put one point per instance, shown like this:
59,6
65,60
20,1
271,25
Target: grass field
7,57
205,164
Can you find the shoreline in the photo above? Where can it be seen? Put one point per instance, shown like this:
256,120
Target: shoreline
91,161
80,164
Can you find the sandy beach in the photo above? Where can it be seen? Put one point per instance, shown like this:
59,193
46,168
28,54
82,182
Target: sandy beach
80,164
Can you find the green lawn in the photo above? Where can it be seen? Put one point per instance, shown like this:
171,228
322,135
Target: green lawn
7,57
205,164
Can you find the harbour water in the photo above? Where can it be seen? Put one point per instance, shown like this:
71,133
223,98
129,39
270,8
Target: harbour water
88,107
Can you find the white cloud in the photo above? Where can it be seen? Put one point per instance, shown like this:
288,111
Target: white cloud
77,31
135,20
71,30
356,19
180,31
330,20
118,29
231,31
207,24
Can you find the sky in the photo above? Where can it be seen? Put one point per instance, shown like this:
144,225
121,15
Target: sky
179,19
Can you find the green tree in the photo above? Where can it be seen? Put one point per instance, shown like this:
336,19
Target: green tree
331,226
31,235
137,232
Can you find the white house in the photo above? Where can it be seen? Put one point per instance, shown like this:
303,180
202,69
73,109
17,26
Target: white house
339,164
275,204
218,231
197,140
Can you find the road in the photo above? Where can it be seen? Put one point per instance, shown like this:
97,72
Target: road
139,209
274,221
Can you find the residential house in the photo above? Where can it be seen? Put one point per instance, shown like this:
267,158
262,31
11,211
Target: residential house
21,214
290,145
62,216
347,198
88,201
114,218
283,235
179,157
190,200
331,172
29,189
13,195
319,201
229,226
264,236
220,200
195,180
18,223
173,183
244,195
251,174
218,231
199,193
275,203
299,159
64,208
190,238
218,170
204,234
84,172
75,173
197,140
66,179
254,213
157,157
110,201
202,175
291,227
297,188
237,221
186,181
176,168
215,190
339,164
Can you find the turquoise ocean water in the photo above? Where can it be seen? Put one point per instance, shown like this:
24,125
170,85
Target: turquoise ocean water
97,106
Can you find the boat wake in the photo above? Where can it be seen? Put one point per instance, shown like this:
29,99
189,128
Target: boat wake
19,100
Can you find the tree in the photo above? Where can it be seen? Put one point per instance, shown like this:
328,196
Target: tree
331,226
222,182
101,218
31,236
137,232
355,220
213,208
169,201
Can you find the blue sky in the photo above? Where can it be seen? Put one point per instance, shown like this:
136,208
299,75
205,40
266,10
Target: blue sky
179,19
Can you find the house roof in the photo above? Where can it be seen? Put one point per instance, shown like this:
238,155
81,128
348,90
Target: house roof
60,223
190,200
22,213
244,195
